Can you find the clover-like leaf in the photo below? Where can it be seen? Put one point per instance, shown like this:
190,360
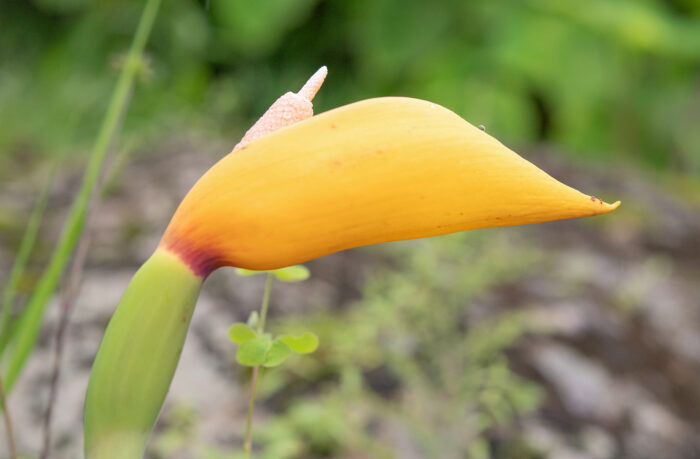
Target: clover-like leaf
296,273
277,354
305,343
239,333
252,352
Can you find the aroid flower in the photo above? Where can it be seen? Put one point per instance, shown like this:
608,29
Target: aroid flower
378,170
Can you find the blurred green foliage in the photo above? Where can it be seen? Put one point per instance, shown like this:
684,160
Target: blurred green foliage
411,365
605,78
409,360
613,79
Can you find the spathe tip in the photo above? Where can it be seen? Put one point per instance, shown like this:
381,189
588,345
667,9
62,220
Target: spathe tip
613,206
605,207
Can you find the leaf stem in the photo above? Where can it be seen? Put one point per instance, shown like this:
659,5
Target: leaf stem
248,443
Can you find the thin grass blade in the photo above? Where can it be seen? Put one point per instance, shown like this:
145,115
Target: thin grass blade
29,324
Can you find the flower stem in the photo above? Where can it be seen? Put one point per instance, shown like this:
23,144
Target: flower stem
137,358
248,443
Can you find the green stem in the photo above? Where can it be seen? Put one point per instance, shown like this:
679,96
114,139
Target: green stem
137,358
30,323
248,443
265,302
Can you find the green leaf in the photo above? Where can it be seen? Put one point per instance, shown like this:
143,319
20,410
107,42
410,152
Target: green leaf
306,343
248,272
239,333
296,273
278,353
252,352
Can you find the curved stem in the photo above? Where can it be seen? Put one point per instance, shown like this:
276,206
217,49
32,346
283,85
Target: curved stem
138,356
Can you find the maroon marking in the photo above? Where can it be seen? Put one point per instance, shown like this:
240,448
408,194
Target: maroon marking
201,262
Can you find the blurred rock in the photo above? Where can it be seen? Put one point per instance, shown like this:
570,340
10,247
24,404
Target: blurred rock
585,387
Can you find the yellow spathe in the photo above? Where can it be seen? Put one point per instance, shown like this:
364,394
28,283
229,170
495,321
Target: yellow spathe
374,171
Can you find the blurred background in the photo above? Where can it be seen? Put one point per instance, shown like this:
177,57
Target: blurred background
572,339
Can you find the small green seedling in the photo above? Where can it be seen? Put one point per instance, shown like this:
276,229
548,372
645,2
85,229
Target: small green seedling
258,349
261,349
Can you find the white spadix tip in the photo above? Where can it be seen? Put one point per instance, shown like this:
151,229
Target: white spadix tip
311,87
287,110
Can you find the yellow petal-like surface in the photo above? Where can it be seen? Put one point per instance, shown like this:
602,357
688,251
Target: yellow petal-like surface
374,171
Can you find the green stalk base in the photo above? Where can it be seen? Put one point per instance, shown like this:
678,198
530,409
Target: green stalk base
137,358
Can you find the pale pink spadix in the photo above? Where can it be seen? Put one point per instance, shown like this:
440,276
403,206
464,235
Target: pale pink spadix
287,110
